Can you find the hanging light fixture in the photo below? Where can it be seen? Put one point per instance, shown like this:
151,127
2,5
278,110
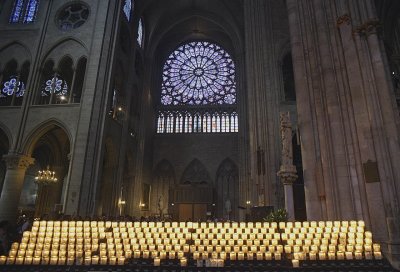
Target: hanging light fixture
46,177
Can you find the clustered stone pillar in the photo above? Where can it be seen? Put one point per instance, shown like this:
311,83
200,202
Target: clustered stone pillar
13,182
288,171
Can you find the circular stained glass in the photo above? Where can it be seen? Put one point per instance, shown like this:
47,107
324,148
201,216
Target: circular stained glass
73,16
199,73
10,87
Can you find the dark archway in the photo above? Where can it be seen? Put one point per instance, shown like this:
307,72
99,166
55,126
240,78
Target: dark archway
227,190
50,147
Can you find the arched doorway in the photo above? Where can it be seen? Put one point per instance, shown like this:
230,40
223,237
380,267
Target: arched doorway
50,148
193,197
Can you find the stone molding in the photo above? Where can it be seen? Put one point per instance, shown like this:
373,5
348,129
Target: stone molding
18,161
345,19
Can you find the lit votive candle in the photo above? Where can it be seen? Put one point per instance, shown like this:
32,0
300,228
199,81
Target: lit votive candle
376,247
322,256
296,263
157,261
259,256
377,255
358,255
240,256
232,256
313,256
183,261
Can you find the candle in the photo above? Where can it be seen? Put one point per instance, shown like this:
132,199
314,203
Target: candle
377,255
296,263
349,255
376,247
146,254
19,260
313,256
157,262
322,256
240,256
113,260
331,255
268,256
171,255
232,256
183,261
358,255
259,256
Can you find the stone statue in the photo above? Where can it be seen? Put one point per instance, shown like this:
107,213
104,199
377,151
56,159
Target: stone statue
286,135
287,172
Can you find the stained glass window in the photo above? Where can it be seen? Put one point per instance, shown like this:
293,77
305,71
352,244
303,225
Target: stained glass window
128,9
12,85
199,73
140,33
196,122
56,85
30,11
17,11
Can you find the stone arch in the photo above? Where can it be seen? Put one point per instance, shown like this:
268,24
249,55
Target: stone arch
42,129
7,135
71,47
163,181
50,145
196,173
14,50
227,189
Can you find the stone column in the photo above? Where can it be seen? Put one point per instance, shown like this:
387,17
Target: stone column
288,171
13,182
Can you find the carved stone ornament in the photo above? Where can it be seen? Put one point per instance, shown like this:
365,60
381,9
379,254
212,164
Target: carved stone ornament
18,161
371,26
343,20
286,135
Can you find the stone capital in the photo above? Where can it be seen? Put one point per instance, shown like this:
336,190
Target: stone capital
18,161
343,20
288,174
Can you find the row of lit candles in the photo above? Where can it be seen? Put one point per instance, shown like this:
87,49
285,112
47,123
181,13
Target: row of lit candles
120,259
111,251
281,225
80,243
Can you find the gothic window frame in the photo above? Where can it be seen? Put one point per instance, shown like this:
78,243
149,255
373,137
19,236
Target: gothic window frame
207,116
24,11
199,73
140,32
128,9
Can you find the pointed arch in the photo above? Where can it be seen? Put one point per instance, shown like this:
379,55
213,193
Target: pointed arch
14,50
72,47
196,173
6,138
42,129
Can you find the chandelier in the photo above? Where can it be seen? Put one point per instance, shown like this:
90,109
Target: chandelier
46,177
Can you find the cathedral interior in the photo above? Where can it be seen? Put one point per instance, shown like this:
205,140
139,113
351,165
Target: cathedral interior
196,110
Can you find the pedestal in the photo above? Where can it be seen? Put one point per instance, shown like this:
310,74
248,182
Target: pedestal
287,173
